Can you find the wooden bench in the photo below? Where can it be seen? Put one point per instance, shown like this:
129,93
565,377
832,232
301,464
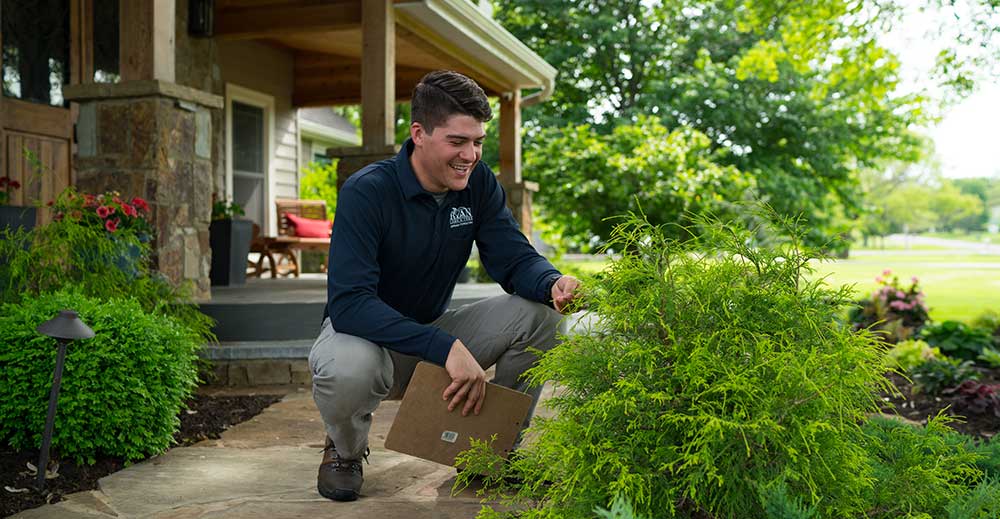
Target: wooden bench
280,250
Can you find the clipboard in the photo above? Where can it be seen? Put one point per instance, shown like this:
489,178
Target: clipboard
426,429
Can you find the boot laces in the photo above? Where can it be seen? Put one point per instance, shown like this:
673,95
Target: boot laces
341,464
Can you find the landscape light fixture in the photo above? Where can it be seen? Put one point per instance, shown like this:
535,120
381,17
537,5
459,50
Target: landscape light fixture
64,328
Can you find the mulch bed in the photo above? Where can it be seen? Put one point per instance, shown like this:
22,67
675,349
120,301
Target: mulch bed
206,417
917,407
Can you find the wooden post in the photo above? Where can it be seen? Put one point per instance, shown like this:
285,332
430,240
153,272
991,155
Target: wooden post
510,138
518,198
378,74
147,39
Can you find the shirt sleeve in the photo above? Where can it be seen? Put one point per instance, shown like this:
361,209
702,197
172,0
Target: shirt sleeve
352,282
506,253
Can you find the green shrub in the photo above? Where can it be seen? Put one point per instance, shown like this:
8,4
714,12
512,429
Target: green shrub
718,370
957,339
620,509
982,503
121,390
917,469
934,376
990,357
319,182
907,355
79,255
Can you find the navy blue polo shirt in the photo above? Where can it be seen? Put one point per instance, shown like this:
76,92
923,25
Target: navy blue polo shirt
395,254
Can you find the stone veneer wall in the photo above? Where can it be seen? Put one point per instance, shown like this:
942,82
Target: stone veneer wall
154,140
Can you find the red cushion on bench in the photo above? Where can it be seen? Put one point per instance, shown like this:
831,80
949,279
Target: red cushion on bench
308,227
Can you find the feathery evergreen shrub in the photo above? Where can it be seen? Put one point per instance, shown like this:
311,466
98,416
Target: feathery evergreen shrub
121,390
716,382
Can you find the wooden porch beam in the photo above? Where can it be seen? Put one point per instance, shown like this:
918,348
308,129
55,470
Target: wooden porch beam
277,20
378,74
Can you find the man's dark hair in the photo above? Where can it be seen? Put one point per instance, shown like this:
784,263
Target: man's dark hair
444,93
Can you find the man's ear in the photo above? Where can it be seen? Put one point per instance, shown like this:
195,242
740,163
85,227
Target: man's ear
417,133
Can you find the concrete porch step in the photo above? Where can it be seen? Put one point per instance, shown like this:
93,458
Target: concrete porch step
290,309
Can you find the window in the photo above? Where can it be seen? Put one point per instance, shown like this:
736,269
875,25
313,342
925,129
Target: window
106,38
36,39
249,173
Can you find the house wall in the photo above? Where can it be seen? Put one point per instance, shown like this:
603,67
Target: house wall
243,63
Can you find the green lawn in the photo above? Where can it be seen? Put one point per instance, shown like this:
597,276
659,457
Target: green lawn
958,287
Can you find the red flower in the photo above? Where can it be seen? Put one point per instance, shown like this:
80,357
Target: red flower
103,211
141,204
14,184
51,202
89,200
112,225
129,210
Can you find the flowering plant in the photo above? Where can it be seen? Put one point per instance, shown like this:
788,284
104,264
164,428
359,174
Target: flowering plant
896,310
7,185
107,211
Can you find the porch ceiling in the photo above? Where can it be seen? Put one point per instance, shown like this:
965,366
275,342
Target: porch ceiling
325,38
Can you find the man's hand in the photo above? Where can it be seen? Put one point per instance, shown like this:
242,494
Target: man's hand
468,380
563,292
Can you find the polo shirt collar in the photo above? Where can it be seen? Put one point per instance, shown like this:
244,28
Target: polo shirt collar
407,178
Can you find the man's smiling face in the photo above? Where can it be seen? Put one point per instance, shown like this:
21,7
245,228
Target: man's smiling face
443,159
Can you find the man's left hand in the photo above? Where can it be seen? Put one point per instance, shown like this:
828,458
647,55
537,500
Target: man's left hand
563,292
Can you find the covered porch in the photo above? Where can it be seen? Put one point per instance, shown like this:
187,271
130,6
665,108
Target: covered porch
373,52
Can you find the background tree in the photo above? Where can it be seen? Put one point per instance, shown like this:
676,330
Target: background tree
666,175
799,96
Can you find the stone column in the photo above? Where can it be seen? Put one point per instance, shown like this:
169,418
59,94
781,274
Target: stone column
351,159
152,139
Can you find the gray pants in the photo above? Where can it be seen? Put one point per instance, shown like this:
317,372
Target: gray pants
351,375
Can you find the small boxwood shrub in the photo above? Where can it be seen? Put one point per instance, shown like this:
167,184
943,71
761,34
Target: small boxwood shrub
121,390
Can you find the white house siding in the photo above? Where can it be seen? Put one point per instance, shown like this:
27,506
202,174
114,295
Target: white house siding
269,71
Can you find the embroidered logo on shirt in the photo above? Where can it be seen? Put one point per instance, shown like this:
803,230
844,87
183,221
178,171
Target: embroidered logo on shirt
460,216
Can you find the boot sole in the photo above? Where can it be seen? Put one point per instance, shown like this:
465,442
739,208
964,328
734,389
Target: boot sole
338,494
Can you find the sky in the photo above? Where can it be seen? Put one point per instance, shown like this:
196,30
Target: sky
967,139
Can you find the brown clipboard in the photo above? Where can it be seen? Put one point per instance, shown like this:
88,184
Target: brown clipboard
426,429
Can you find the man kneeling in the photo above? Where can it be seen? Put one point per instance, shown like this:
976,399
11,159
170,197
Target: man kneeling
403,232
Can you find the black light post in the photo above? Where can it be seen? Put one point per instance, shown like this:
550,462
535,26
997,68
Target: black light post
64,328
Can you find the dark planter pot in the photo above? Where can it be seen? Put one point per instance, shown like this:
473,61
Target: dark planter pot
230,242
15,217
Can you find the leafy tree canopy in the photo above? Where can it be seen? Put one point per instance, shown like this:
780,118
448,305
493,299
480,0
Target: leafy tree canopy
800,96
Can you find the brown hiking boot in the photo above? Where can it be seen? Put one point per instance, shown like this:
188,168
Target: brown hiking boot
339,479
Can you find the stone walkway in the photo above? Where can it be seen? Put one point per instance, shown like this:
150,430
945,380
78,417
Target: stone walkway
266,468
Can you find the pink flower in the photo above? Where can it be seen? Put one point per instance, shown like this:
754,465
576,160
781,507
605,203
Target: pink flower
103,211
129,210
900,294
914,280
878,280
887,272
140,204
112,225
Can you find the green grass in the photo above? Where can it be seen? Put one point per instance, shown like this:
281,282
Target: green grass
977,237
959,287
